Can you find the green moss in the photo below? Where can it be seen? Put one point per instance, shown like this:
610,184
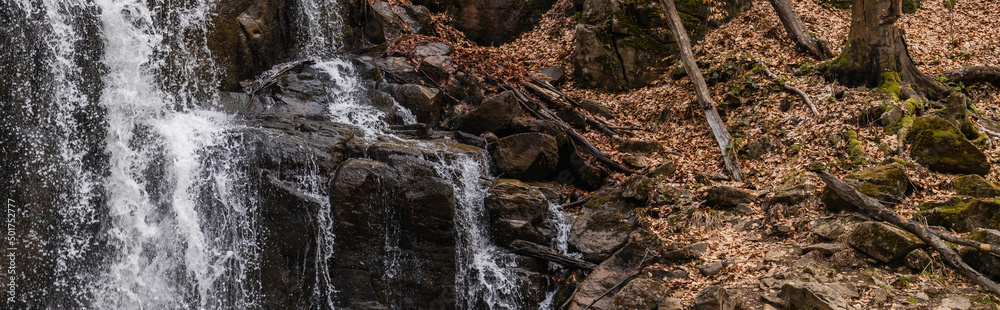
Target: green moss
913,106
910,6
963,214
840,4
856,152
891,85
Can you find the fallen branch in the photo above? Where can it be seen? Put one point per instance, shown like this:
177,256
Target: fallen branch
876,210
985,247
790,88
272,77
701,92
535,250
590,120
974,74
541,112
553,97
797,32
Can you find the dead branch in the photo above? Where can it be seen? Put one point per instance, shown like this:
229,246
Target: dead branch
876,210
797,32
271,78
602,126
701,92
553,96
985,247
541,112
974,74
789,88
535,250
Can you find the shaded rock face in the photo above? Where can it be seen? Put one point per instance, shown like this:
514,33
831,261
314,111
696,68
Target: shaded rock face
982,261
604,222
615,269
516,211
712,297
887,183
641,294
942,147
526,156
884,242
975,185
622,45
493,115
247,37
491,22
387,22
963,214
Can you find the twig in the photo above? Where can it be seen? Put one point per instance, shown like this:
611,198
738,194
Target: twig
790,88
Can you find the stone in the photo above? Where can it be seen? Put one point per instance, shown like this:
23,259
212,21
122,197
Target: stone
553,74
884,242
641,294
635,162
464,87
400,67
917,260
975,185
388,22
979,260
491,22
494,114
887,183
432,49
252,34
603,225
672,304
573,118
757,148
812,295
665,169
726,197
962,214
664,194
955,303
515,210
435,68
584,173
712,297
711,269
597,108
825,249
791,196
424,102
639,147
611,272
526,156
942,147
829,230
846,290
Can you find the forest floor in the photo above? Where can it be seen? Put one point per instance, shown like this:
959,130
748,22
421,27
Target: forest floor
939,39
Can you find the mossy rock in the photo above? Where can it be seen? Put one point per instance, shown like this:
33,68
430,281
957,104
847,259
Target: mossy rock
941,146
979,260
604,224
976,186
884,242
963,214
887,183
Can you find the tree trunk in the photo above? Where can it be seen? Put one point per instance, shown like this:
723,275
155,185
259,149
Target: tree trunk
877,53
797,32
701,91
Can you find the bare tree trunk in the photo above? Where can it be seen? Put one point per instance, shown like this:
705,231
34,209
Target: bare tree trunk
877,52
701,91
797,32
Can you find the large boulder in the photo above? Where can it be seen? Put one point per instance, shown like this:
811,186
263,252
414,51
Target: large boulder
712,297
247,37
622,45
884,242
888,183
642,294
388,22
604,223
942,147
975,185
424,102
526,156
516,211
494,114
978,259
613,270
963,214
491,22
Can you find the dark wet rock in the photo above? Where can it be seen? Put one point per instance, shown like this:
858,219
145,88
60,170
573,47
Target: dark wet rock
613,270
711,269
666,170
395,69
976,186
887,183
884,242
917,260
388,22
464,87
982,261
424,102
584,172
942,147
435,68
515,211
712,297
574,118
603,225
522,125
491,22
801,295
252,34
726,196
597,108
640,147
526,156
492,115
641,294
963,214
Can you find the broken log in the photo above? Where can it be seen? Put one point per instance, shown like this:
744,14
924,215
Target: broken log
601,126
701,91
553,96
876,210
798,33
790,88
535,250
270,78
541,112
973,74
985,247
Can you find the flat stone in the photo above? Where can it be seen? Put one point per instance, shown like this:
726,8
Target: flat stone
829,230
712,297
802,295
955,303
826,249
711,269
